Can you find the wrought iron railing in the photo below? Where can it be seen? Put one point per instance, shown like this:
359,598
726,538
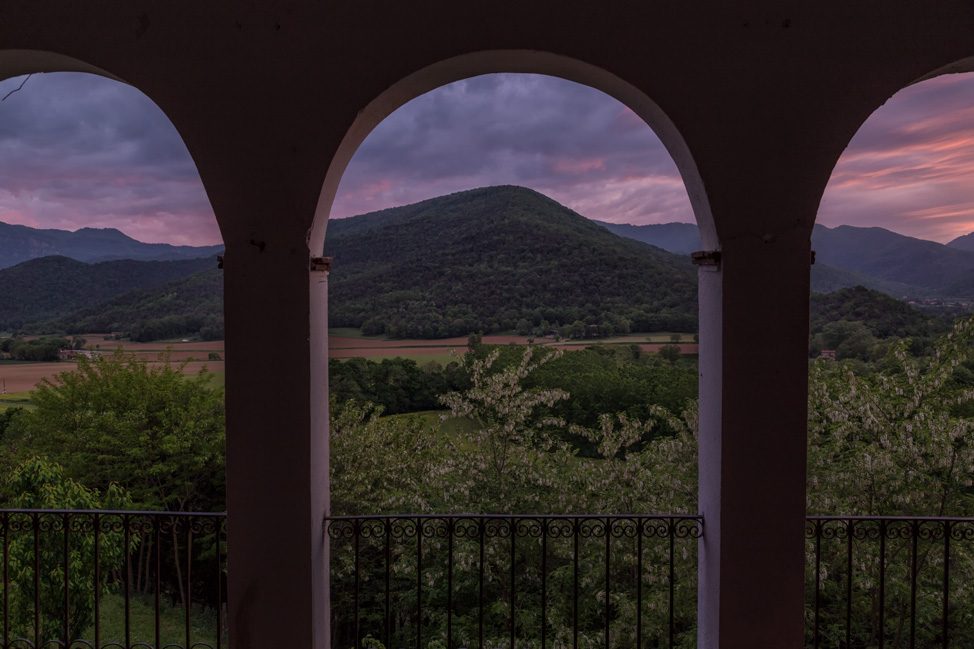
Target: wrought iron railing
494,581
102,579
99,579
890,582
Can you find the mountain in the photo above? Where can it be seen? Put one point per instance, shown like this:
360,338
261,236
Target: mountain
19,243
885,255
826,279
190,305
490,259
51,287
963,242
678,238
852,256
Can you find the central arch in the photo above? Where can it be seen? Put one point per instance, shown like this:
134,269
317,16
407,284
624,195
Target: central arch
512,61
452,70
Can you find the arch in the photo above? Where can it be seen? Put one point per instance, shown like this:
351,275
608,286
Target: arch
516,61
14,63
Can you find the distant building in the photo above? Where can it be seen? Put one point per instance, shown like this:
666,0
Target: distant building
828,354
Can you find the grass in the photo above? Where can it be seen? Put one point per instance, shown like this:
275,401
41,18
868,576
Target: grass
653,338
142,625
14,400
446,428
349,332
217,379
421,359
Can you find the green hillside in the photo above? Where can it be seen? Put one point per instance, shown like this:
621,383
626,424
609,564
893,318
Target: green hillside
883,316
51,287
489,260
189,306
496,259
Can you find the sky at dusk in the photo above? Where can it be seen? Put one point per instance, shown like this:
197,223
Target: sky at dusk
81,151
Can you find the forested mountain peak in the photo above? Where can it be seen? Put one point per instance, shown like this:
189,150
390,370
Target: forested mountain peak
486,259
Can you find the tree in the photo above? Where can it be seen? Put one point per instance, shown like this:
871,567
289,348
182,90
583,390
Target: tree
508,459
890,442
370,473
669,353
147,427
40,484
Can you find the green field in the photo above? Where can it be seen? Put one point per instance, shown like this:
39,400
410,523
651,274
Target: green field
421,359
349,332
172,623
446,427
14,400
217,379
661,338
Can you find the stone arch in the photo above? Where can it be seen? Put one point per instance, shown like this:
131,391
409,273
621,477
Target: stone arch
515,61
14,63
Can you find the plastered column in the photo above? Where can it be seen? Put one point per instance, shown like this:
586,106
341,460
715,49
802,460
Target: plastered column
277,445
753,386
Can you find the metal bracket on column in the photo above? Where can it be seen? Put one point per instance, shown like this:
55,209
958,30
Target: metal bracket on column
219,261
321,263
813,258
709,259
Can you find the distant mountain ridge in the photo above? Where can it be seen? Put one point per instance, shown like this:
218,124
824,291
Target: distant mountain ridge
491,259
678,238
20,243
849,256
963,242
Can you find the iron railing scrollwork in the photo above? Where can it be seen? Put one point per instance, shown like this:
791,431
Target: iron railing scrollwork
884,582
100,578
504,580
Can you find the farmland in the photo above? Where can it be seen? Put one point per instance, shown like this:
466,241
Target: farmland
20,377
344,343
349,343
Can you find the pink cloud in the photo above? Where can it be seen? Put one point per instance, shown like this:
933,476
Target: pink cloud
910,168
578,166
17,217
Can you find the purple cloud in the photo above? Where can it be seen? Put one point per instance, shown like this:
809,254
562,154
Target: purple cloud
78,150
570,142
910,168
81,151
